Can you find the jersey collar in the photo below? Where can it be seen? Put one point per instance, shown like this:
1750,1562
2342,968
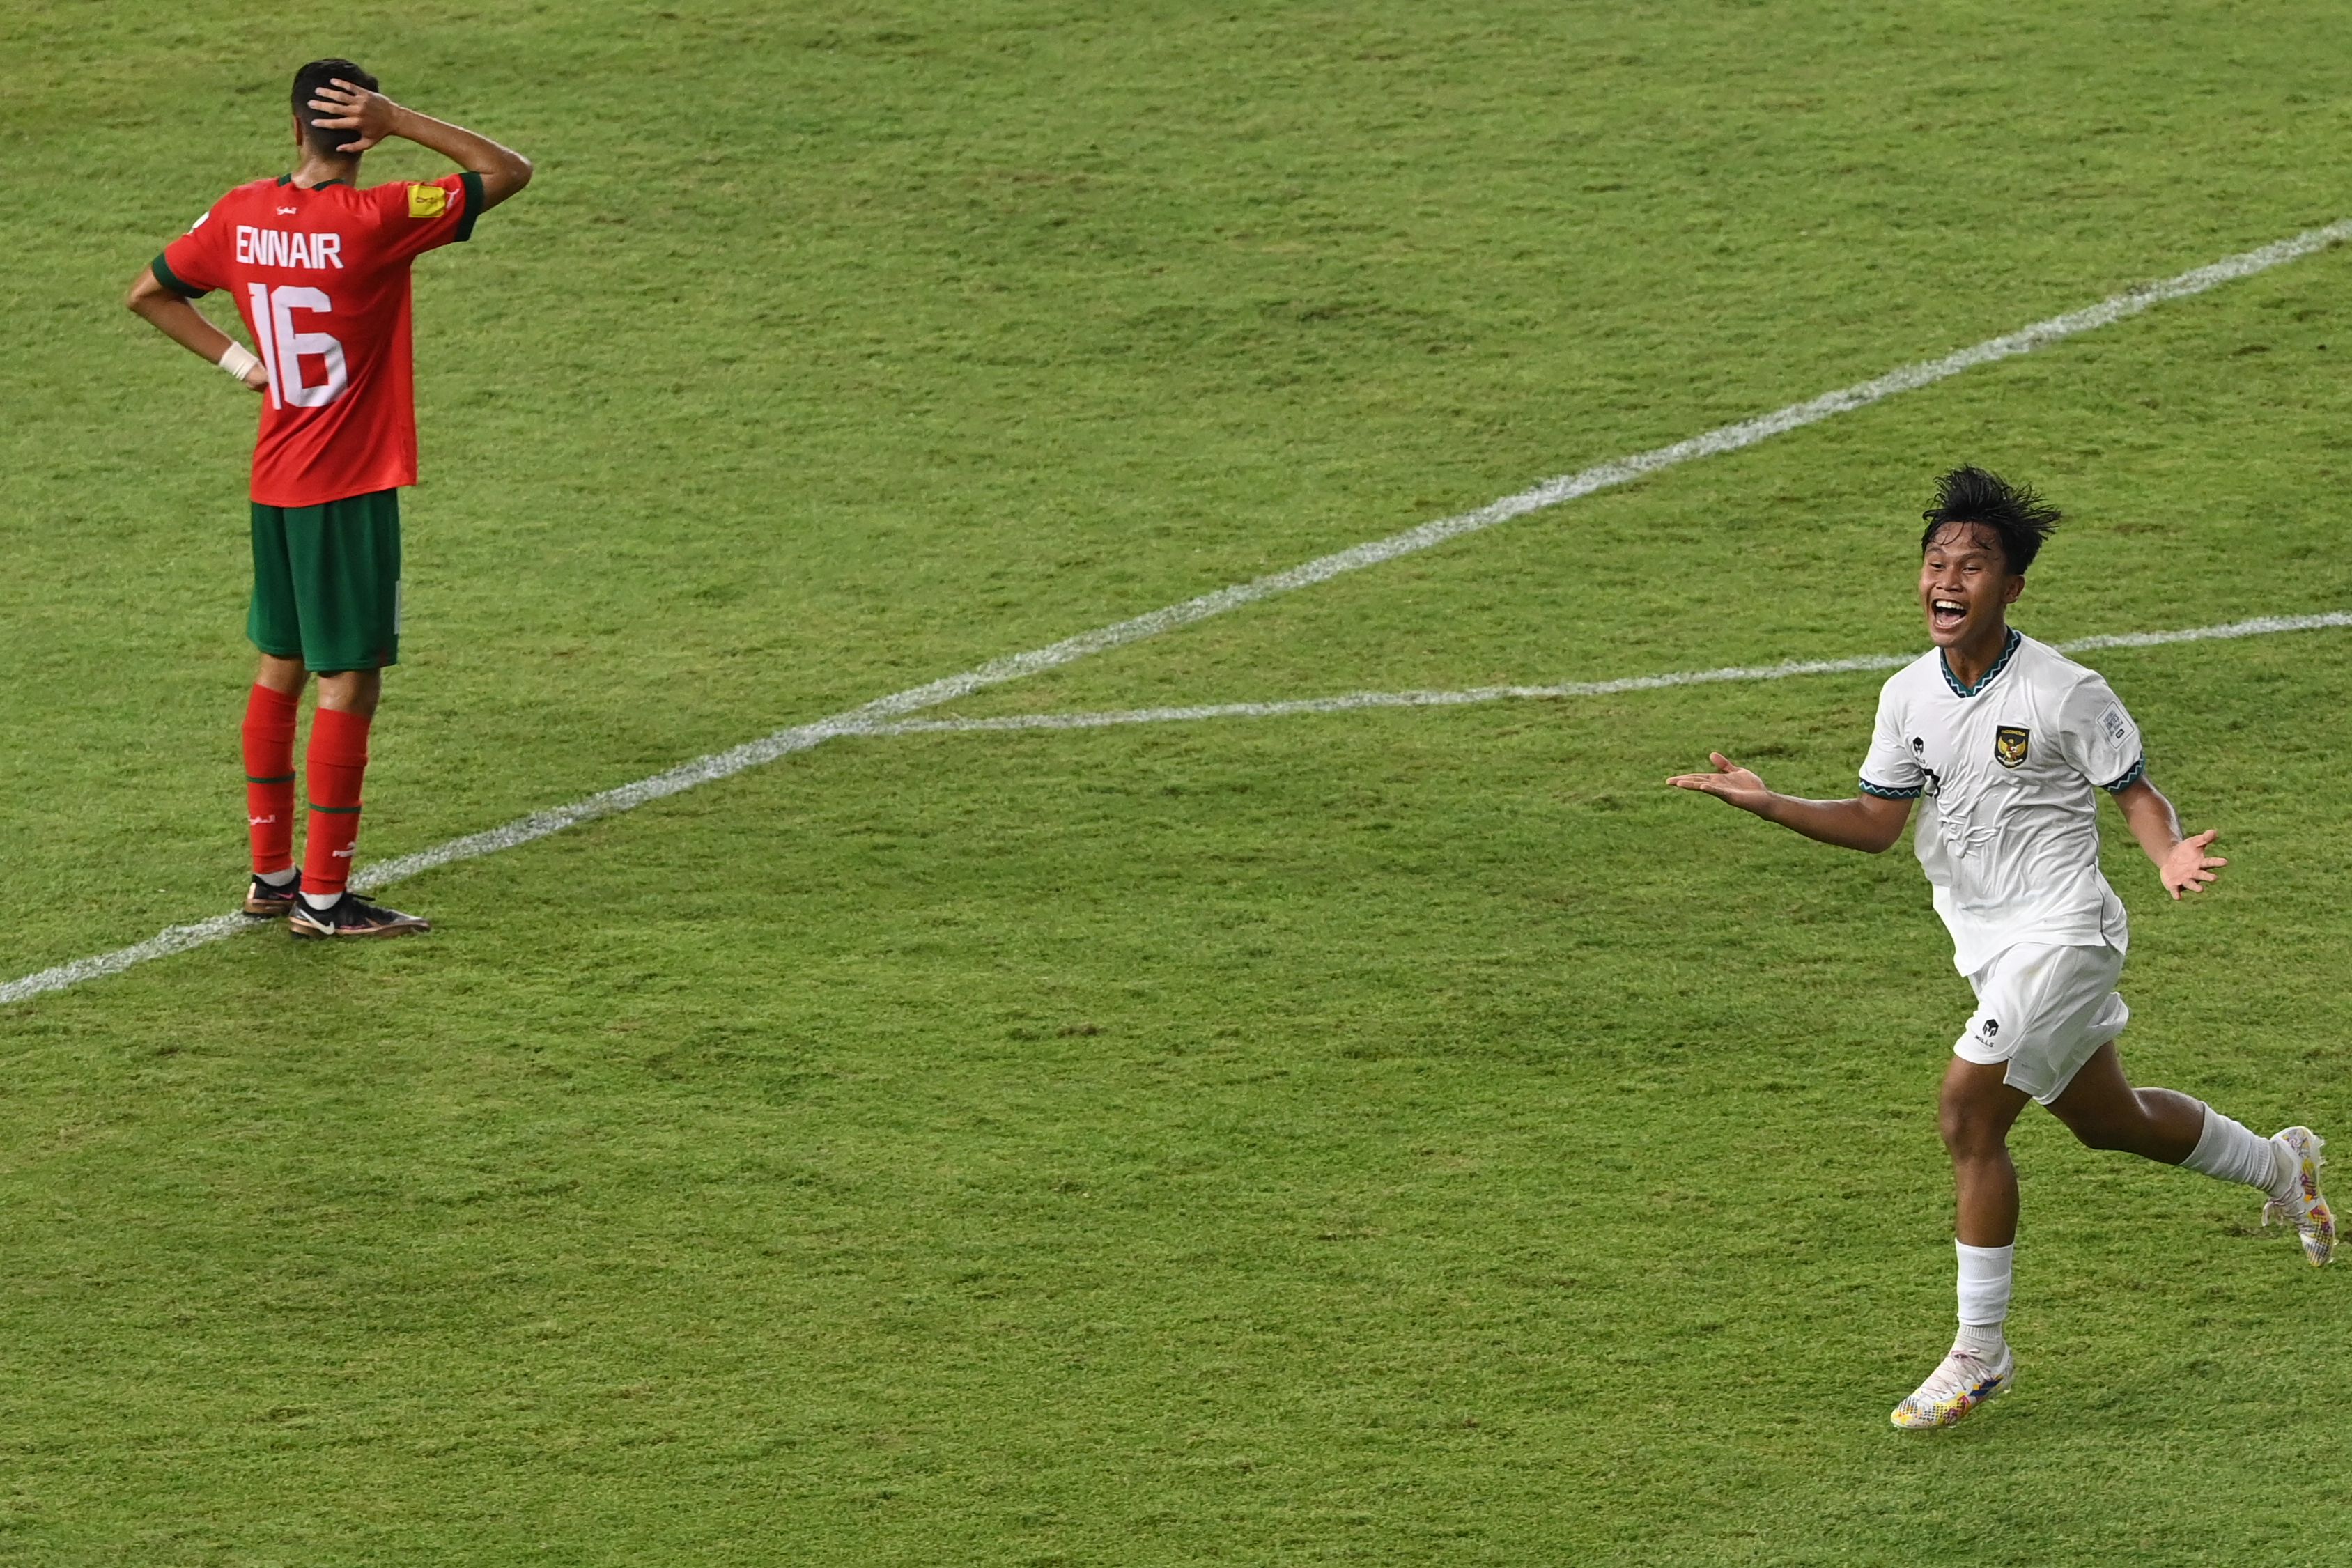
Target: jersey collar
1953,680
288,179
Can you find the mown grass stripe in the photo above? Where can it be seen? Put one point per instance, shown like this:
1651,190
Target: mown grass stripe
872,717
180,938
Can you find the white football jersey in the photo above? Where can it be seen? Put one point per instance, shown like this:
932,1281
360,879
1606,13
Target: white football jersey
2008,830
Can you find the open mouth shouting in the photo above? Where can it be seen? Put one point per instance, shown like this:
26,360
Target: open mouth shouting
1964,584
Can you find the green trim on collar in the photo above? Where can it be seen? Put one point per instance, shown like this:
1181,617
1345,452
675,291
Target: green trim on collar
1953,680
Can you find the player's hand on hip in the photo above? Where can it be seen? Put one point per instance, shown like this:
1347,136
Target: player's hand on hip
369,116
2188,868
1729,781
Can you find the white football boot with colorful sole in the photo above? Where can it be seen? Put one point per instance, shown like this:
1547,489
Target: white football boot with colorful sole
2302,1207
1964,1381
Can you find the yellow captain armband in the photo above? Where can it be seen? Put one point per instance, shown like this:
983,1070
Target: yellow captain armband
427,201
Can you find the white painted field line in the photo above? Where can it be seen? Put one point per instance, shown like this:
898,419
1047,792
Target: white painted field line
180,938
1346,702
1013,667
163,945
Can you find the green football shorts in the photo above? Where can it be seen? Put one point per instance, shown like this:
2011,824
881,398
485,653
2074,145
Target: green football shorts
325,582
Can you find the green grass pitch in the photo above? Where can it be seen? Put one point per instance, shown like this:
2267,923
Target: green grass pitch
1396,1138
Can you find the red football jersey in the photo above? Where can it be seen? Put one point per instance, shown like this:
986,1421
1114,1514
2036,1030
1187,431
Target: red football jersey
321,276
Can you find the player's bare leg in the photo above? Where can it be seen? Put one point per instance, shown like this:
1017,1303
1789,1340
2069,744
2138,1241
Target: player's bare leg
283,675
352,691
2102,1109
2105,1112
1974,1113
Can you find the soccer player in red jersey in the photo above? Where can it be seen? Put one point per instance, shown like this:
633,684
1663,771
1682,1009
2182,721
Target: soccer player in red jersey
319,270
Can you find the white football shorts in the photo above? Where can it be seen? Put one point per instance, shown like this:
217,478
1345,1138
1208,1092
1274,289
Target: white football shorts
2043,1010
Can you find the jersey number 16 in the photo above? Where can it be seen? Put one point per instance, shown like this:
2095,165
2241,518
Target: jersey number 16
282,348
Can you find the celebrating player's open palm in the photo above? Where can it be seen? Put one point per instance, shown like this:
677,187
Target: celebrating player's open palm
1729,780
2188,868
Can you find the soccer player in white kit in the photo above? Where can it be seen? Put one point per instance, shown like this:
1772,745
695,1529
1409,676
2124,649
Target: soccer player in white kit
2004,743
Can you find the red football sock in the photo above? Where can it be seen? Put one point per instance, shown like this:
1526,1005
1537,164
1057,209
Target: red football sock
269,778
337,762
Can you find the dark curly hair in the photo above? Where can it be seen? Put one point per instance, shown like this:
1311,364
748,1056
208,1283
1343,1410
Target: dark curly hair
2020,518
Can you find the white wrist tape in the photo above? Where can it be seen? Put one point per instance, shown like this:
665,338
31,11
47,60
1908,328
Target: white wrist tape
237,360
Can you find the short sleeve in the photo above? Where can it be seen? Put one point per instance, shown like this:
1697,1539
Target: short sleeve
191,266
415,216
1890,771
2097,737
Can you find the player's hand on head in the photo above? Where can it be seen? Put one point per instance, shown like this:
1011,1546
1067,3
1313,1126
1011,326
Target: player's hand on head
2189,869
1729,781
368,116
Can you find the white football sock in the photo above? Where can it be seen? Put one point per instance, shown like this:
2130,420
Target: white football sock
279,878
2229,1150
322,901
1985,1274
2289,1180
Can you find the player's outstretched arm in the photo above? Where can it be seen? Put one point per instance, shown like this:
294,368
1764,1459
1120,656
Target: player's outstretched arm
2182,862
371,117
185,325
1866,822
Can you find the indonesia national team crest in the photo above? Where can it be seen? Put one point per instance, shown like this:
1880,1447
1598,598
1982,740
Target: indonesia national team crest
2009,743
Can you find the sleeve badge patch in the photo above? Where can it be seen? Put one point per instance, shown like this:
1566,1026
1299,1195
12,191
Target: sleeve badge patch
2114,722
2009,745
427,201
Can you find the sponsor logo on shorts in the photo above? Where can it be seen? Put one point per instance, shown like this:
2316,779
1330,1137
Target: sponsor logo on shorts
427,201
2009,745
